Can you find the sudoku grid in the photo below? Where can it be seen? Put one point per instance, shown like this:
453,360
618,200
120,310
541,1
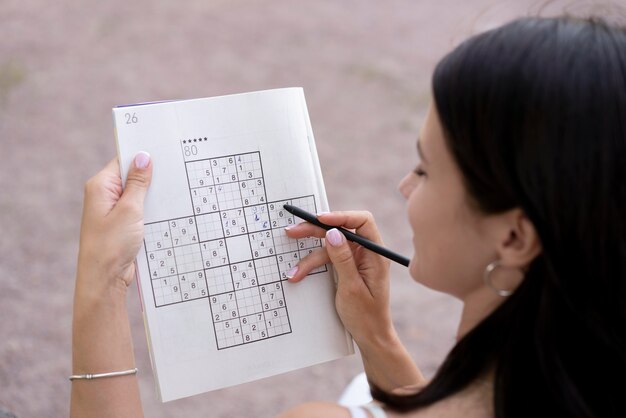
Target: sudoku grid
233,250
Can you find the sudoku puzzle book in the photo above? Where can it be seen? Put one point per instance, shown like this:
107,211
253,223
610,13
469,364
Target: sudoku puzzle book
217,307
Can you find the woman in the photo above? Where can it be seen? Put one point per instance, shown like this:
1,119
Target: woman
517,207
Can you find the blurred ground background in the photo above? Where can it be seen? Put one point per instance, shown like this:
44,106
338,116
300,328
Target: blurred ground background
365,67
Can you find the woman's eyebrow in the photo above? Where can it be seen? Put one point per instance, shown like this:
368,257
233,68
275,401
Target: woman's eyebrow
420,153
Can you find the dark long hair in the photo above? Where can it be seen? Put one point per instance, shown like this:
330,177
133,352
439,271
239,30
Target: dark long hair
534,114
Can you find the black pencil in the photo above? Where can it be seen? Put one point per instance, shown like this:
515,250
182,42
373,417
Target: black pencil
350,236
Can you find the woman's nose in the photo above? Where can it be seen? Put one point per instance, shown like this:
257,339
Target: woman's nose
406,185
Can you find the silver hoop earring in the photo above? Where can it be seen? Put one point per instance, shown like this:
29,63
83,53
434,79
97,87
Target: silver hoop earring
487,279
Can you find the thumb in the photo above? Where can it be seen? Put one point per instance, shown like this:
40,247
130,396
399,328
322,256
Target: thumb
340,255
137,181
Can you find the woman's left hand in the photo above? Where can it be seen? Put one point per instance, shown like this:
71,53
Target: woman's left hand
110,237
112,224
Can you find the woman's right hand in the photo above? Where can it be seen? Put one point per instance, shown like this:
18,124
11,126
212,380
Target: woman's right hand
362,298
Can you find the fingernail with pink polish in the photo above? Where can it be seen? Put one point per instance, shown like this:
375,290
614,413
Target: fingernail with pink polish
291,273
142,159
334,237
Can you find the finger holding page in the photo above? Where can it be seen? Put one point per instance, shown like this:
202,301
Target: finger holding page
315,259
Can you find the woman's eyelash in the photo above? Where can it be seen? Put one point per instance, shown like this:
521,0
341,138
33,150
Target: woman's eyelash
419,172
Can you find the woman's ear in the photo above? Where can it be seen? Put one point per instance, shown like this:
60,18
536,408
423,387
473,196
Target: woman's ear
517,242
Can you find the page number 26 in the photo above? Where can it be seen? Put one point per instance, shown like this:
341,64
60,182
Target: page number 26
131,118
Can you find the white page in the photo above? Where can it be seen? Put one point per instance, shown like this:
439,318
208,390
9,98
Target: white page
217,308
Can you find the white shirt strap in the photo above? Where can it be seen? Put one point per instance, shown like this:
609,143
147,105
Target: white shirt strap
357,412
374,410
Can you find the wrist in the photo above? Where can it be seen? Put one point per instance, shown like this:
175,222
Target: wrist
375,331
96,274
97,288
382,340
101,339
92,309
388,364
100,327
